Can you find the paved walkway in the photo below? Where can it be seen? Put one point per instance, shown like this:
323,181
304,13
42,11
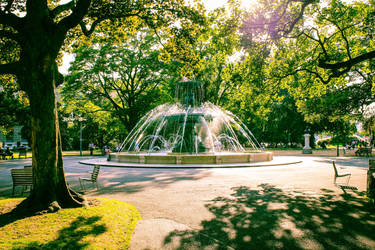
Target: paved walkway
292,207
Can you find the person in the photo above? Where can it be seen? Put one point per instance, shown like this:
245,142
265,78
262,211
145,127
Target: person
8,153
91,147
107,150
218,146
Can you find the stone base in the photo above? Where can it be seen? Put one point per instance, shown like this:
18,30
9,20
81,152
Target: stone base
190,159
307,151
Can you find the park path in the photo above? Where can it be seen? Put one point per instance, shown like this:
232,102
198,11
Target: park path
293,206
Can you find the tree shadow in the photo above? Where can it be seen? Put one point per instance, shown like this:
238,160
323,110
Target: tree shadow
130,180
268,218
9,215
340,162
71,237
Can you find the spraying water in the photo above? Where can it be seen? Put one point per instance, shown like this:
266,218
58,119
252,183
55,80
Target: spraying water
190,126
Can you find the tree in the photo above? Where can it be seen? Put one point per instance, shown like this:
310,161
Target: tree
214,47
120,77
39,29
338,36
323,54
14,109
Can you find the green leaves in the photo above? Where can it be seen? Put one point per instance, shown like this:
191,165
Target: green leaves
117,77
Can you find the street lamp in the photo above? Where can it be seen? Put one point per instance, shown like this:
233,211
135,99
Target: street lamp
79,118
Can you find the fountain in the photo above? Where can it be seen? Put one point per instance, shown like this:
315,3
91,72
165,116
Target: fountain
189,133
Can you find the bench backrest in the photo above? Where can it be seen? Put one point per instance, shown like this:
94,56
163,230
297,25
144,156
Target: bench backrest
334,167
95,173
22,177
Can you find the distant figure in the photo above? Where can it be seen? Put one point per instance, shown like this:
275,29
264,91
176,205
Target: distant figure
106,150
2,153
91,147
8,153
218,145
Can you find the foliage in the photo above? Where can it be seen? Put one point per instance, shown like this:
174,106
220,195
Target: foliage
369,121
14,107
88,227
323,54
330,41
215,47
119,78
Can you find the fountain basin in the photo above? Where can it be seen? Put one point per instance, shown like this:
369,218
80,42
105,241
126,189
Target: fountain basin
190,159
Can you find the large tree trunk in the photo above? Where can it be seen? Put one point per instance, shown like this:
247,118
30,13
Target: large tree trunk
50,190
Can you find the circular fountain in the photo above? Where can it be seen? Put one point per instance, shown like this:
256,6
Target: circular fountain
189,133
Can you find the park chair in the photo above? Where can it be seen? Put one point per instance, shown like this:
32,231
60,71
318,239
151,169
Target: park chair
93,179
339,175
22,177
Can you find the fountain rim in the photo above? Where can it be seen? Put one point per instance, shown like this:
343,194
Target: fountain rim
155,160
105,163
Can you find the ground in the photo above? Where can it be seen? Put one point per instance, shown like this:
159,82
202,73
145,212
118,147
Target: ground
294,206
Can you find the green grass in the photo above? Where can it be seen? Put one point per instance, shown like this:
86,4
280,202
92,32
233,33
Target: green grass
65,153
106,226
84,153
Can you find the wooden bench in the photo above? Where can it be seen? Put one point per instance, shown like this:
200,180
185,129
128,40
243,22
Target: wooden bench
23,178
363,152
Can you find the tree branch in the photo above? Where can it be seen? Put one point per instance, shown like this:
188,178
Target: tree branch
11,20
342,32
62,8
78,12
10,68
8,6
346,64
299,17
88,32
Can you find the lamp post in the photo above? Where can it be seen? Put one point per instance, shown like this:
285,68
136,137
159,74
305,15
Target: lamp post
80,119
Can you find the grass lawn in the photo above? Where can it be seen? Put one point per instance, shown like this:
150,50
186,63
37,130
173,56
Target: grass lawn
84,153
106,226
65,153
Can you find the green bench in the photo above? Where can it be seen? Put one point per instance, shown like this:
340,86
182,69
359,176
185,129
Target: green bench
22,177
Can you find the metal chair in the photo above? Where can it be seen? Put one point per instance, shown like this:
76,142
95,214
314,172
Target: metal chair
93,179
338,175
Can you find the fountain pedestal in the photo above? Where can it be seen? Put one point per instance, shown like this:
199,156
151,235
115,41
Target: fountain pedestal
307,149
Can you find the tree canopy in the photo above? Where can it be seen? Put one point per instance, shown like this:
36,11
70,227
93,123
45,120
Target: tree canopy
32,34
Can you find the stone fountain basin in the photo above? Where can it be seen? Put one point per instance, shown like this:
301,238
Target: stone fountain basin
189,159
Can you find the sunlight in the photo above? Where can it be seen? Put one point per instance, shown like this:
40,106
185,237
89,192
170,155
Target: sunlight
211,5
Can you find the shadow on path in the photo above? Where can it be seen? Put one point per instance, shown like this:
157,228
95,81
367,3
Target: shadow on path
268,218
125,180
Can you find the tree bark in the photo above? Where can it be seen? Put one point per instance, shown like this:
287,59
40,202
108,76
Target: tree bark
371,179
50,190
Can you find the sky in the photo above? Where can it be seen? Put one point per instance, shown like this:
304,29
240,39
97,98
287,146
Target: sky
210,5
